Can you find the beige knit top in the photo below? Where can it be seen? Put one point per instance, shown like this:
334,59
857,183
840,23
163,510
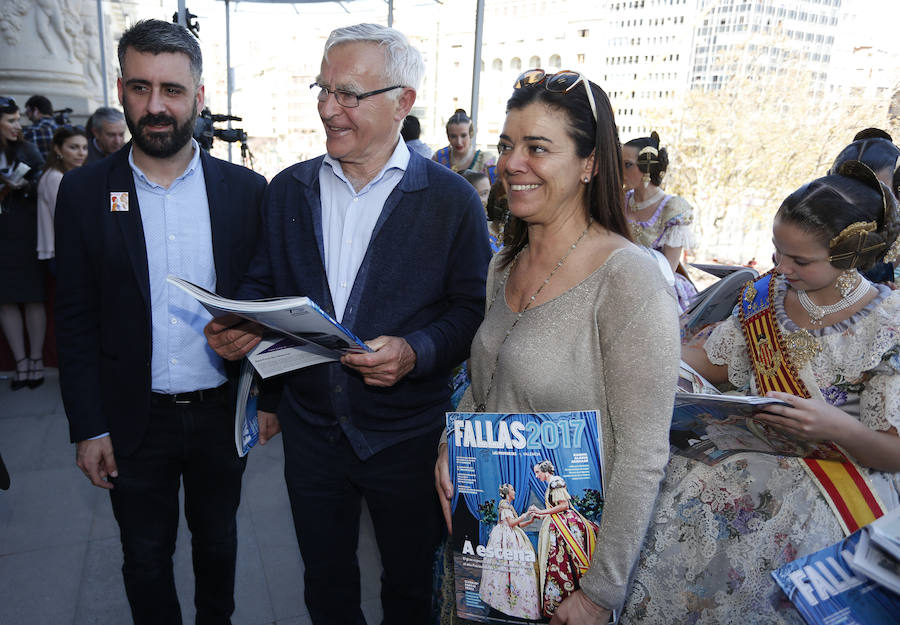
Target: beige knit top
609,344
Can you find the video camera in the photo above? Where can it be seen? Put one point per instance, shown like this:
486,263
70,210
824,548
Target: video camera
204,131
61,117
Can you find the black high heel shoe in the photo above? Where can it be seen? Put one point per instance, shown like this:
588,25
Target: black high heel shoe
33,380
21,378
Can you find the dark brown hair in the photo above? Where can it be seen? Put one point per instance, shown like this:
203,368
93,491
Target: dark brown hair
5,145
605,198
647,163
62,134
826,206
459,117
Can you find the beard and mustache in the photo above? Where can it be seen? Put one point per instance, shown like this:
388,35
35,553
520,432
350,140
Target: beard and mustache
160,144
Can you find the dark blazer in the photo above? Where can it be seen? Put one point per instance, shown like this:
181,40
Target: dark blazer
94,154
103,295
422,278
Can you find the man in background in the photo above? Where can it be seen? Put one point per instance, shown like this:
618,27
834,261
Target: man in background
149,404
40,111
410,133
107,129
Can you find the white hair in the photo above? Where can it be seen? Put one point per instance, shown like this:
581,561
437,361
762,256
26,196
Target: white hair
403,62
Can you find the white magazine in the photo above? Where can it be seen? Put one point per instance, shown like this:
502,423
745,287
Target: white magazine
885,532
314,336
877,565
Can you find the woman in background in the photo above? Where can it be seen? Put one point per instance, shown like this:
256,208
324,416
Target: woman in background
21,277
461,154
67,151
659,221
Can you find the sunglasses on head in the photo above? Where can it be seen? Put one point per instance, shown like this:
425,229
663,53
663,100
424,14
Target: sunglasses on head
560,82
6,102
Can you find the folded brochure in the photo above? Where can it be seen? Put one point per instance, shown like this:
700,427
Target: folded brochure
303,333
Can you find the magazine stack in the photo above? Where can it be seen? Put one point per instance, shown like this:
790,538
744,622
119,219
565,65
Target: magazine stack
855,582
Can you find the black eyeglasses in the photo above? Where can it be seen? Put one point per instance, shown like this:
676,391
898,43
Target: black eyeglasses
345,98
560,82
6,102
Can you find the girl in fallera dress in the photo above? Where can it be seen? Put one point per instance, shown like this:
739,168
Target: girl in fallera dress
658,220
818,335
510,584
462,154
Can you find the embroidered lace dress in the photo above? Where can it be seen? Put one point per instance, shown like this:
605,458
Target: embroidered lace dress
719,531
510,584
481,162
670,225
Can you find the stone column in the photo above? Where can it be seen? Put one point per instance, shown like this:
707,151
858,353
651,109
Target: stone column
51,48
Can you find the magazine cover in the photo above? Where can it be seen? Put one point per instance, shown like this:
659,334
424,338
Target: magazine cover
527,500
825,590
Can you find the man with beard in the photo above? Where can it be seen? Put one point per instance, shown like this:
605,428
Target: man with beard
394,246
148,402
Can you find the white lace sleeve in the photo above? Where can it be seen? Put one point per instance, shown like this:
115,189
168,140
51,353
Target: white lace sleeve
678,236
726,346
879,402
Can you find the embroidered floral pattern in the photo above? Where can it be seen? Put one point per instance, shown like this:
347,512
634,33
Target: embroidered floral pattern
510,585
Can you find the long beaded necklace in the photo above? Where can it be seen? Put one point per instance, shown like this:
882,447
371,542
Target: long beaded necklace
481,406
817,313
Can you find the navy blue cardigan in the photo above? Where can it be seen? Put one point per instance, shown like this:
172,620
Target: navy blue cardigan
422,278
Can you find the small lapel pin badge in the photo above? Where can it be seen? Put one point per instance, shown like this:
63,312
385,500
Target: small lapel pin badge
118,202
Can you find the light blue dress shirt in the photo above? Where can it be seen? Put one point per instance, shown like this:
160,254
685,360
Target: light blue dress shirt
178,237
348,219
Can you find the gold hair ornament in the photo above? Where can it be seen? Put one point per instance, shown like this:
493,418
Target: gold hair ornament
648,156
860,230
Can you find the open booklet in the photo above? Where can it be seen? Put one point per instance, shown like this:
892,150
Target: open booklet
709,426
303,334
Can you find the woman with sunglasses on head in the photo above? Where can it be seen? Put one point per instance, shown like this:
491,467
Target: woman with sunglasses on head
818,335
659,221
578,318
462,154
21,276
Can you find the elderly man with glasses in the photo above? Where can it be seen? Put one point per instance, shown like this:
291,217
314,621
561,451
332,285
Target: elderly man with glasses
394,247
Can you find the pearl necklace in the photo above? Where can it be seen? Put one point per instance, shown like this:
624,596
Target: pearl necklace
817,313
650,201
482,405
